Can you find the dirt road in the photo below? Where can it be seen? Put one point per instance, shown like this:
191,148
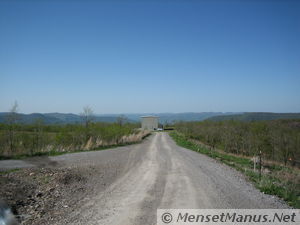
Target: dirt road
129,183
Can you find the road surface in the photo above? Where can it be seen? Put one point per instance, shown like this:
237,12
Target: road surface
154,174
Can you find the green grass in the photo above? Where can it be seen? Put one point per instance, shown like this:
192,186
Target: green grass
9,171
267,183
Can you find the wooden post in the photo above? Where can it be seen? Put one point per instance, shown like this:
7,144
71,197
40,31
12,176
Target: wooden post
259,164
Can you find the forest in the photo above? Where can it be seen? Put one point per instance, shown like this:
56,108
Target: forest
277,140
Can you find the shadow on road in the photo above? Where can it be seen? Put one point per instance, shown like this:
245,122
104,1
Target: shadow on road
41,161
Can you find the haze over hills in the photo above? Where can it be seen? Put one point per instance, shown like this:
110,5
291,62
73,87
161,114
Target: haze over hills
65,118
70,118
55,118
173,117
256,116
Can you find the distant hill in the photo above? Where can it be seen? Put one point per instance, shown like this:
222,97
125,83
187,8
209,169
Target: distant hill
65,117
31,118
173,117
55,118
256,116
69,118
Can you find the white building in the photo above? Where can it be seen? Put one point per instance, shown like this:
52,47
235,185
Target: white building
149,122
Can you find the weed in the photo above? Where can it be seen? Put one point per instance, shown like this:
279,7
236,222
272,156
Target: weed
273,184
9,171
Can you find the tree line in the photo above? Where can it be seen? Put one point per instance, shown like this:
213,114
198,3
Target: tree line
277,140
38,137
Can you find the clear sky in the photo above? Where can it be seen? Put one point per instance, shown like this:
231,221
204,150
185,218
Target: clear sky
150,56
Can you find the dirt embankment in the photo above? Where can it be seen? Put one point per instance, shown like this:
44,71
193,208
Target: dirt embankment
44,196
47,189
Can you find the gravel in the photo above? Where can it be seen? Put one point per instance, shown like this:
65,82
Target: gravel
124,185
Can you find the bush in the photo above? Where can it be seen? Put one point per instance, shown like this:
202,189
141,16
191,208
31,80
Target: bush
38,138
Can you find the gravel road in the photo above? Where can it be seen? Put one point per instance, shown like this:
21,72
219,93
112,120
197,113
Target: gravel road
129,183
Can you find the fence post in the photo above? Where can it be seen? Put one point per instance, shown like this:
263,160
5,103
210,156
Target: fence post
259,165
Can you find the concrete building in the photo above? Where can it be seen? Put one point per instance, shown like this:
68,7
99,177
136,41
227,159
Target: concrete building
149,122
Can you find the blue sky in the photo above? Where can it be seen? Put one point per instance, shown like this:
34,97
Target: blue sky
150,56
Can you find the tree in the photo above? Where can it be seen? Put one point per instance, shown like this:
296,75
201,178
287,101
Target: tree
87,116
38,133
12,118
121,120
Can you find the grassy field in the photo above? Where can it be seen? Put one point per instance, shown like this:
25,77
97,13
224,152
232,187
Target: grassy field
56,153
276,140
20,140
275,179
